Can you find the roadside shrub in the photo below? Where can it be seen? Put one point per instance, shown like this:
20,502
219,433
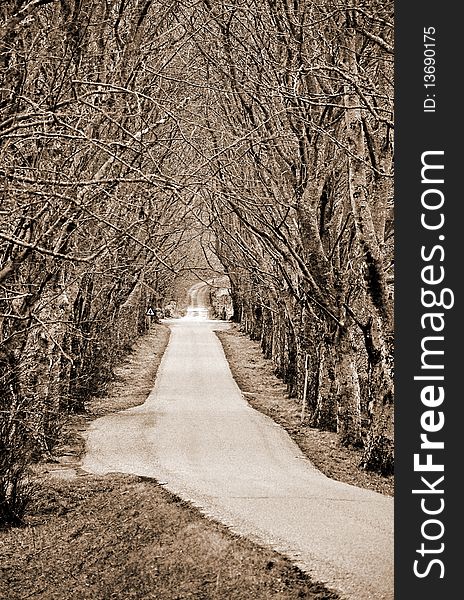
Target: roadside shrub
15,460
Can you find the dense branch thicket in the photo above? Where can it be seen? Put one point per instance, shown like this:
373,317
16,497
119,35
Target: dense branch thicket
129,129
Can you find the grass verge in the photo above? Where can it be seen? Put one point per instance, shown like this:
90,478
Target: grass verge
121,537
255,377
124,537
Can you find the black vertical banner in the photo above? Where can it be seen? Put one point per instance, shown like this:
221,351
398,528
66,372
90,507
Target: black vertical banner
429,359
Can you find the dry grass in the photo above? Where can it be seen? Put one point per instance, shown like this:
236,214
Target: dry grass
265,392
126,538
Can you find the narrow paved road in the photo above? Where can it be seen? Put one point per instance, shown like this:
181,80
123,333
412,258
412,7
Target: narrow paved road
198,435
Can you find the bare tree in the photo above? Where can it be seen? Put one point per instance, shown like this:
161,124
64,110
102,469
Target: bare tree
93,225
299,117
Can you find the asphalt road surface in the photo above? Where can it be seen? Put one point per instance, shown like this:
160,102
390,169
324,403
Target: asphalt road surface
198,436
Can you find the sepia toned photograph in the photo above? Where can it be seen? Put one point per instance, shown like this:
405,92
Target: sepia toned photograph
196,300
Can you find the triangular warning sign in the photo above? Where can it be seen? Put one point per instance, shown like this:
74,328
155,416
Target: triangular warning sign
150,312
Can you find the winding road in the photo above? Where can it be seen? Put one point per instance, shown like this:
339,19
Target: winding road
198,436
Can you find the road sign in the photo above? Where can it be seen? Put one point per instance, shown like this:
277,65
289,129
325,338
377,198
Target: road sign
150,312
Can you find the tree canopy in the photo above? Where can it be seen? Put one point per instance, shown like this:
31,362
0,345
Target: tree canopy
138,137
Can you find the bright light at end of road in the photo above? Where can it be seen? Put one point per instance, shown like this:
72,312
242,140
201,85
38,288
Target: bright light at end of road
197,314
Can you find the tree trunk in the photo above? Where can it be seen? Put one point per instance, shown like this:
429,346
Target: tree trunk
348,392
324,415
379,450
